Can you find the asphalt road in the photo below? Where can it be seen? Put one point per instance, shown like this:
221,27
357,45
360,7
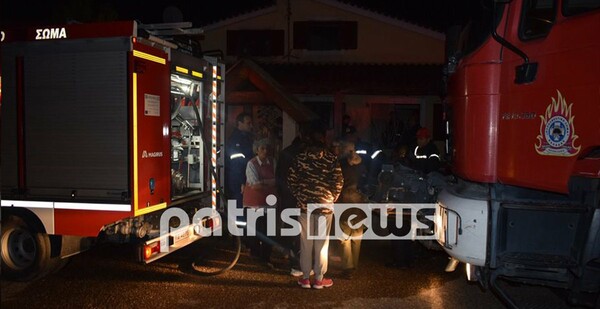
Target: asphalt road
105,277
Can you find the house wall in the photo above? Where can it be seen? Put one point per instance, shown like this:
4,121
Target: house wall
370,113
404,43
379,40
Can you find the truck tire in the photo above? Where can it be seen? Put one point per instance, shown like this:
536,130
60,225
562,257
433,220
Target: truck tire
25,252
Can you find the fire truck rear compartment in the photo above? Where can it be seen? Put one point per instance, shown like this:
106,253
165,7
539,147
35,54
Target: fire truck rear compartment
74,119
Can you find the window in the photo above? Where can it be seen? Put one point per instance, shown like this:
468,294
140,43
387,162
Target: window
573,7
537,18
259,43
477,29
325,35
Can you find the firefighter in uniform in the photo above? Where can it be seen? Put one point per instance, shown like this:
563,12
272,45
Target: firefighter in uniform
425,157
238,153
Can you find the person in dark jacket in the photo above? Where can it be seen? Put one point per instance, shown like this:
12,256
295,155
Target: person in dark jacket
352,169
285,198
238,152
315,177
425,157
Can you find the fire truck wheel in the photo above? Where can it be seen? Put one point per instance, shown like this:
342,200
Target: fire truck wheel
25,252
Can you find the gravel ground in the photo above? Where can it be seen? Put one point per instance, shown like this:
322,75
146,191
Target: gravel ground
105,277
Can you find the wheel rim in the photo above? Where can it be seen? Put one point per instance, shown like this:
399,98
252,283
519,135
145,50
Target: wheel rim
21,248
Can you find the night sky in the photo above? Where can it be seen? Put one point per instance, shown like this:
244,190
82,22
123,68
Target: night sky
434,14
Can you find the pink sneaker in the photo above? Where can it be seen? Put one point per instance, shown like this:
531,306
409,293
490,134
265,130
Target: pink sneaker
324,283
304,283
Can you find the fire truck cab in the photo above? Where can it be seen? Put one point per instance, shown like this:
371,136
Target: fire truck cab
524,143
104,127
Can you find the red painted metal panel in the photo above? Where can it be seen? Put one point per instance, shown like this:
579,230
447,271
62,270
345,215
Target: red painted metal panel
475,130
153,128
84,222
20,124
475,120
566,91
499,126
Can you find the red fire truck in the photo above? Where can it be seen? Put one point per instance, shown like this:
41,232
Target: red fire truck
103,129
524,143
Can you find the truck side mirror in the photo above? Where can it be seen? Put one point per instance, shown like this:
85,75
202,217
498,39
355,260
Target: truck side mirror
526,73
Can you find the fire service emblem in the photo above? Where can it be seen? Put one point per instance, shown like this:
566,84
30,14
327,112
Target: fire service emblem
557,131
